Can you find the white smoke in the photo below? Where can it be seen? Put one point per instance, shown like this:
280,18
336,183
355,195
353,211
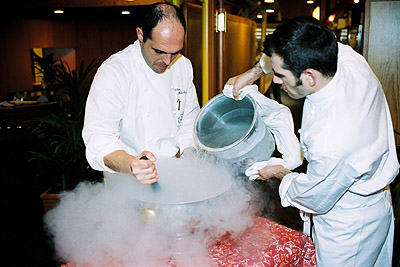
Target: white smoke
101,224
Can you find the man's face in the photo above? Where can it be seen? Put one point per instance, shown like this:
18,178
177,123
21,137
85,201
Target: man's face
295,88
164,46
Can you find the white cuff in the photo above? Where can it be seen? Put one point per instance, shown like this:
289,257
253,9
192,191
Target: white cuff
265,63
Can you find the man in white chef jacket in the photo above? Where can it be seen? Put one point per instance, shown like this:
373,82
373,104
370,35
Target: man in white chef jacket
143,101
347,138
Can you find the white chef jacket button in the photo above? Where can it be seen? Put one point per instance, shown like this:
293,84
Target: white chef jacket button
174,112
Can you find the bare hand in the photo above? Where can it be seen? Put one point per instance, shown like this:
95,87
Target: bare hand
238,82
145,170
244,79
275,171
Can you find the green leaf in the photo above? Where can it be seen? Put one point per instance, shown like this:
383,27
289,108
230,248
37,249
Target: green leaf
59,133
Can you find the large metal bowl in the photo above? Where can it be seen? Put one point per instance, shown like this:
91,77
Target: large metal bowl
183,186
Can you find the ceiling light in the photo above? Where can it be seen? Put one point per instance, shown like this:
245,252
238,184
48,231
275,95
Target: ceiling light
356,1
269,1
270,10
310,2
58,11
331,18
125,12
259,16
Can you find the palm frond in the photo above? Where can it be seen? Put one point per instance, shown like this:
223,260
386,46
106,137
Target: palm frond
59,133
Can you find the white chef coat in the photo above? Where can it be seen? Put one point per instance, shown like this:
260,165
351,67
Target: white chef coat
347,137
130,107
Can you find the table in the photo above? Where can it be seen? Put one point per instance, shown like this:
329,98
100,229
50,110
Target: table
15,121
266,243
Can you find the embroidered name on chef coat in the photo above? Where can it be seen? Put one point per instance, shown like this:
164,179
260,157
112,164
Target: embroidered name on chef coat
179,104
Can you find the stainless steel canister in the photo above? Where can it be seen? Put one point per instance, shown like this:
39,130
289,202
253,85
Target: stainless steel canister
234,131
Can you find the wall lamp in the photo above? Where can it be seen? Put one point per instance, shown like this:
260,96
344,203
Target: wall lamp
220,21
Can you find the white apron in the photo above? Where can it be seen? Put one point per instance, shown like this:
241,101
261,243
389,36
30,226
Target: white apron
358,229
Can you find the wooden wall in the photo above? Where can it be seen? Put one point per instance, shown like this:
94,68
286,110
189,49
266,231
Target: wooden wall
97,38
93,39
193,46
240,46
382,51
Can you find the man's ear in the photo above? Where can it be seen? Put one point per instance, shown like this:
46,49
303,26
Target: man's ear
139,34
311,77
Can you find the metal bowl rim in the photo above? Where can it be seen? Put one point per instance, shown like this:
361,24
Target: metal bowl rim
221,149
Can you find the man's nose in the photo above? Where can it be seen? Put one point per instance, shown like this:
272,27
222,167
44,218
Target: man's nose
277,80
167,59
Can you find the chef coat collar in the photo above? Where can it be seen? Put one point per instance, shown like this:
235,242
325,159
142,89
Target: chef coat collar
328,91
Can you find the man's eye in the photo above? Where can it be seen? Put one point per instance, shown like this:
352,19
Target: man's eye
164,53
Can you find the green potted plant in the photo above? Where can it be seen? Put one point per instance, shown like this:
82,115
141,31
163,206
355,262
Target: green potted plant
60,145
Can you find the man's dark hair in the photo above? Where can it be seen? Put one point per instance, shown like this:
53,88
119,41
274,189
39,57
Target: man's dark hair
155,13
302,43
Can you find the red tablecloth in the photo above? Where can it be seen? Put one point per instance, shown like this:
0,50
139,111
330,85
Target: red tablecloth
265,244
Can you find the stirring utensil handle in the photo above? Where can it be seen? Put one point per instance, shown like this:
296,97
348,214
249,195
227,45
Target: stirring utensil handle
155,187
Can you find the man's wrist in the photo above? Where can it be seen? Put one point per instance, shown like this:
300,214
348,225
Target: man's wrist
119,161
282,172
257,72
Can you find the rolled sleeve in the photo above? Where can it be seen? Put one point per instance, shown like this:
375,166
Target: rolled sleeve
265,63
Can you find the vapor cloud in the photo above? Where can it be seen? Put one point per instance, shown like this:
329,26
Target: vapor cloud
101,224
